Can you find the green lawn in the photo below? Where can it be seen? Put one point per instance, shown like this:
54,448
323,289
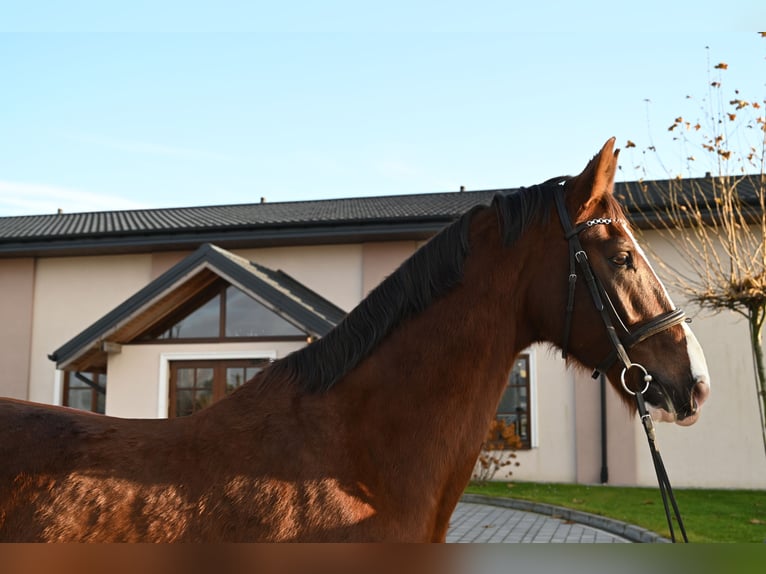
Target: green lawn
709,515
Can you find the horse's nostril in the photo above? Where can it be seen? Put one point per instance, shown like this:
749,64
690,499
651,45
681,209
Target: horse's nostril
700,393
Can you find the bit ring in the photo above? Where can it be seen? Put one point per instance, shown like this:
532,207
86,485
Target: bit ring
647,378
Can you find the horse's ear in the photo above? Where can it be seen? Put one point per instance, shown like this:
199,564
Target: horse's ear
596,180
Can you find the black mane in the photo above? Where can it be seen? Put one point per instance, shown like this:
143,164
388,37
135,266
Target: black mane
428,274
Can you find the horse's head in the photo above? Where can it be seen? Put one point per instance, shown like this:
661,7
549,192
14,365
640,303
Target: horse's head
648,330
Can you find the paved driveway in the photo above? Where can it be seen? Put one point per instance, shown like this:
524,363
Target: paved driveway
473,522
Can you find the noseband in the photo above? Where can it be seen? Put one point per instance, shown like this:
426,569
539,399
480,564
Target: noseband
577,257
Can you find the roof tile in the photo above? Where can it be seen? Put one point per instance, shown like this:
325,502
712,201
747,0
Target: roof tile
220,217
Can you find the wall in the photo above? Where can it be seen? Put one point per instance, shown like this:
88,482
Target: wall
380,259
17,281
70,293
333,271
139,376
552,458
724,448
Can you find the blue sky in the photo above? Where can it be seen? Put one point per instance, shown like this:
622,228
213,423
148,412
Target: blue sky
110,106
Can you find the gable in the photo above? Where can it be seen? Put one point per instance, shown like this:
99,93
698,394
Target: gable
188,285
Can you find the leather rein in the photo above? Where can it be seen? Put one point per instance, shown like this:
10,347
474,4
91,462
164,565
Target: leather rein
620,342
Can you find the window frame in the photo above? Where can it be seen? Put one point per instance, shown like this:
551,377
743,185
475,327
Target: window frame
216,289
94,394
166,358
169,363
528,422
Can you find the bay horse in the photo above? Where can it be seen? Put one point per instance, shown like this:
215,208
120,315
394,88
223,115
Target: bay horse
371,432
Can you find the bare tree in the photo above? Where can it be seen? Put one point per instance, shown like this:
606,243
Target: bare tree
717,223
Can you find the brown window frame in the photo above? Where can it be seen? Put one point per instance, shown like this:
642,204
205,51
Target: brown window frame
94,394
219,368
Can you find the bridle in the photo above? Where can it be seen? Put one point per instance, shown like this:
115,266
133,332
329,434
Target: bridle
601,299
620,343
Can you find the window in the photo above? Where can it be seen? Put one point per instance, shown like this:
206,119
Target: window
86,391
225,312
514,408
195,385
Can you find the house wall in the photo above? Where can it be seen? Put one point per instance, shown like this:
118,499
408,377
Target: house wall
17,281
380,259
333,271
50,300
139,375
70,293
553,457
319,267
135,371
724,447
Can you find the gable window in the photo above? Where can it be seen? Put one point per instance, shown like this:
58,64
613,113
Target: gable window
514,407
195,385
225,312
86,391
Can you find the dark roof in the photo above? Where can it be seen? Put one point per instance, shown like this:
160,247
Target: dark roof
645,201
284,223
335,220
157,301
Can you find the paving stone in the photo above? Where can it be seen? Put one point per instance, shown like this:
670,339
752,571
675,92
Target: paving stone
481,523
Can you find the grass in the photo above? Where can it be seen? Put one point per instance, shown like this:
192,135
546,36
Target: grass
708,515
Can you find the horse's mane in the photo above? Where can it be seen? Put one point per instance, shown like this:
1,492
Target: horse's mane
428,274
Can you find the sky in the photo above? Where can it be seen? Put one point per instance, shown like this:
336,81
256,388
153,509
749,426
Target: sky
132,105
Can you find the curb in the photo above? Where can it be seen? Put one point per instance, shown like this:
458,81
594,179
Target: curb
616,527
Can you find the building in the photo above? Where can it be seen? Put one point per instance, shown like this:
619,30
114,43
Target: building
155,313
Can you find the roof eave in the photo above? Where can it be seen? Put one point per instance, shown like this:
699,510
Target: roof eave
257,236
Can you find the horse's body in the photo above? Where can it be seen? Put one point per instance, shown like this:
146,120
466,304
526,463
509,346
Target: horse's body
370,433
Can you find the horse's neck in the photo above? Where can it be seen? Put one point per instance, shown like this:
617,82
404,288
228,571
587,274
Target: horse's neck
423,400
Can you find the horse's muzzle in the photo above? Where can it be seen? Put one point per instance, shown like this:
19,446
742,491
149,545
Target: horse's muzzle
699,394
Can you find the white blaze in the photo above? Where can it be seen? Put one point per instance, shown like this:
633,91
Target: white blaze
697,360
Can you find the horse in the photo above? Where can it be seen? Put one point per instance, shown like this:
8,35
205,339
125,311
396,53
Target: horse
371,432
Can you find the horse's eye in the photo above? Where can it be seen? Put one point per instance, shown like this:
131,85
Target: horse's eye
622,259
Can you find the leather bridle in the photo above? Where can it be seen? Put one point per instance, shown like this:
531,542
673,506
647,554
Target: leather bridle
578,258
620,343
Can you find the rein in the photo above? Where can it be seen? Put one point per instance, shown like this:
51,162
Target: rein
605,307
659,467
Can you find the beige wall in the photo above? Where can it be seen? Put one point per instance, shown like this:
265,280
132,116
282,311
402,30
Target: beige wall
164,260
134,373
724,448
380,259
333,271
17,281
139,376
552,457
71,293
67,294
